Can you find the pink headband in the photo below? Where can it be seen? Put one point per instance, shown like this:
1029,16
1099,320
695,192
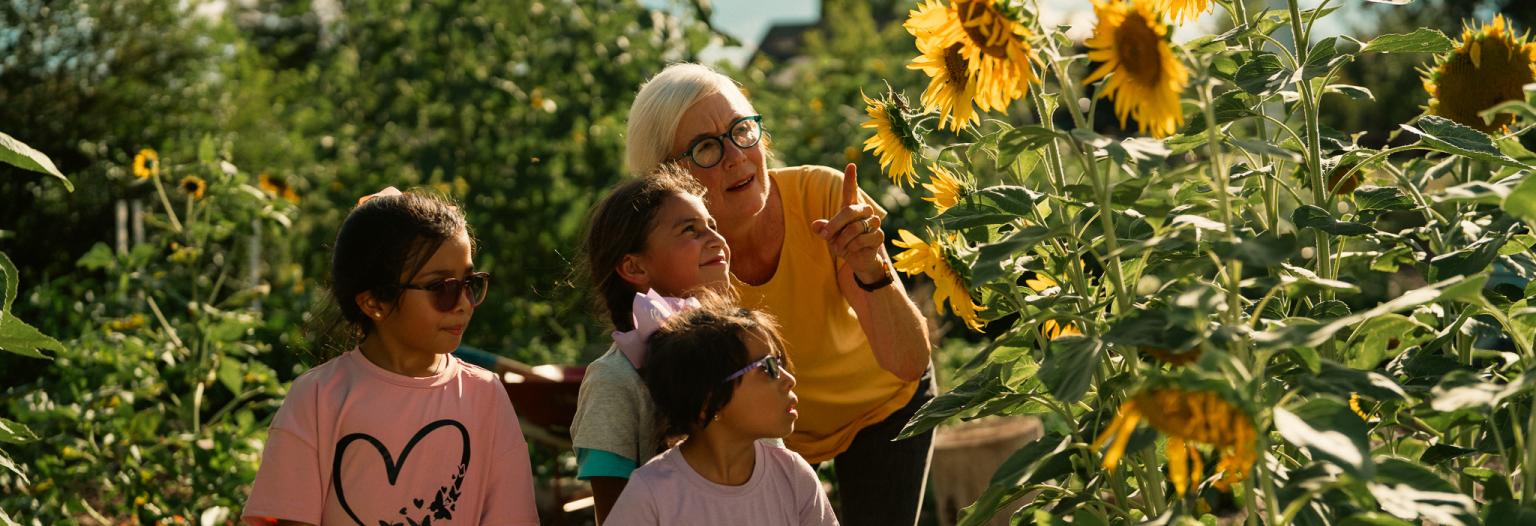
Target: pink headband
649,311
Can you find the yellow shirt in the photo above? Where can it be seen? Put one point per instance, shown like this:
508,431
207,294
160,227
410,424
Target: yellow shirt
842,389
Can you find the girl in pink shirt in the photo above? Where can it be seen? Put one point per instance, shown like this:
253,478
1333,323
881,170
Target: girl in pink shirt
397,431
719,376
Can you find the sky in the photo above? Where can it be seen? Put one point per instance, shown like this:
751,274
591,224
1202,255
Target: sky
749,20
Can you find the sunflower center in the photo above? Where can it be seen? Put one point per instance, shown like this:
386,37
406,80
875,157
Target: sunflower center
985,27
1467,87
954,66
1136,47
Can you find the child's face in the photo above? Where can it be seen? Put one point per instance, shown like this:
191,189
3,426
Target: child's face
683,250
761,406
414,322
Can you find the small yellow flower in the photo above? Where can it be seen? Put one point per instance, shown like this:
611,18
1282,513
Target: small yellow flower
1203,417
931,259
1490,66
1354,405
895,141
146,164
140,500
128,323
194,186
1144,78
277,187
1051,329
945,188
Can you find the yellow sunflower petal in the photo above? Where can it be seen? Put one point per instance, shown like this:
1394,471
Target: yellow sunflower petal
1141,74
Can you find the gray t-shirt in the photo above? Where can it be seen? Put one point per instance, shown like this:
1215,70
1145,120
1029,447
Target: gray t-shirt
614,410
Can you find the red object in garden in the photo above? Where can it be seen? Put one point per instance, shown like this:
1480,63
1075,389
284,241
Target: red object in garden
545,396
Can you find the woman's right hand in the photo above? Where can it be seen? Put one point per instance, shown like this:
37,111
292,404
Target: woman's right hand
853,234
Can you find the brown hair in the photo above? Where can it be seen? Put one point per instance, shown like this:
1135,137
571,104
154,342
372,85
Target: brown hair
619,226
689,357
381,244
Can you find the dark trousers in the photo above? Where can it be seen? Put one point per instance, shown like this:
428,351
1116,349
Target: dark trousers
881,481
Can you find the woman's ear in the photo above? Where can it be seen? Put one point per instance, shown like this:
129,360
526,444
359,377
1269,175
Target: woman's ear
632,270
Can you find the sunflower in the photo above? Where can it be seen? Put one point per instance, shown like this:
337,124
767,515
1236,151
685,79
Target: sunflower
1182,11
1187,417
951,90
932,259
277,188
1145,80
1051,329
993,47
895,140
146,164
193,186
945,188
1354,405
1489,67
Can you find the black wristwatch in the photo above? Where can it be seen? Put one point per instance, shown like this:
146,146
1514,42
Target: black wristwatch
878,284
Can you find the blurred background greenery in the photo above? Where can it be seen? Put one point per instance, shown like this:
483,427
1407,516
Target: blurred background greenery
181,334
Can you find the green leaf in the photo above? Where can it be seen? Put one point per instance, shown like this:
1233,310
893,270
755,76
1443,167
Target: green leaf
1330,431
1045,459
15,153
1440,453
18,337
985,385
231,374
1521,202
1068,369
1442,134
1469,260
1262,76
1460,390
990,259
1259,147
1422,40
1314,334
1382,338
1410,491
1374,518
15,433
1478,192
1509,512
1023,139
1308,216
5,520
1382,198
1333,378
9,465
10,278
1327,54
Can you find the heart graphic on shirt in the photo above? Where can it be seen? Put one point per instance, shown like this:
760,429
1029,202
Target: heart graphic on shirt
446,498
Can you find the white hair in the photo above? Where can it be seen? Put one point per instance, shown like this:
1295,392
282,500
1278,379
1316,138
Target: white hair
659,108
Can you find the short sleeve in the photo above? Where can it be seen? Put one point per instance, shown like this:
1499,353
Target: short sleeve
288,485
608,413
636,507
815,509
509,488
601,463
824,188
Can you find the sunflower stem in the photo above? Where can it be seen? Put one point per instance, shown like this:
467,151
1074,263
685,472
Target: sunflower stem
1057,170
170,211
1222,182
1314,160
1271,186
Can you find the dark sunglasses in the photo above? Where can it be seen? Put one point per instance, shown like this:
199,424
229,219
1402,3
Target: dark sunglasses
769,364
445,293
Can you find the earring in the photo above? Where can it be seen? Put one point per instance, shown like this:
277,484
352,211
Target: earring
378,315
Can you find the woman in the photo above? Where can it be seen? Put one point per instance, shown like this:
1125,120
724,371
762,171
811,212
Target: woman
808,249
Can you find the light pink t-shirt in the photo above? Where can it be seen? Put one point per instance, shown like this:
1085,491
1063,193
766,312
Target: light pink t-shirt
356,444
782,491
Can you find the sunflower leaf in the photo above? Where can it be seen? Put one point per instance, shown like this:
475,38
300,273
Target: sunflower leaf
1422,40
1327,429
1327,54
1382,198
18,337
18,154
1263,75
1444,135
1314,217
985,385
1068,370
1045,459
1521,202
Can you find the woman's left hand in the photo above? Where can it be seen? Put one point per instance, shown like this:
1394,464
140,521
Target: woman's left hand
854,234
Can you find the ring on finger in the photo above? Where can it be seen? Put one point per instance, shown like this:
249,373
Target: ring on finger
869,225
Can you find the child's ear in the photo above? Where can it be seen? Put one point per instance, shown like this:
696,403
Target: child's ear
372,307
632,270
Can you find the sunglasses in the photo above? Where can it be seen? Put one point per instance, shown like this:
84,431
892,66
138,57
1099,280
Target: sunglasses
769,364
445,293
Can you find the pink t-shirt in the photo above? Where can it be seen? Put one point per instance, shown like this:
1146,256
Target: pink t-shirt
355,444
782,491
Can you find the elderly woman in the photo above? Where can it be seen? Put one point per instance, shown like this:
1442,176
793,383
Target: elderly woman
807,248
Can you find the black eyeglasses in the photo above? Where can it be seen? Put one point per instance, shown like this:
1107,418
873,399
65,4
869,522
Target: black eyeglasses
706,152
445,293
769,364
